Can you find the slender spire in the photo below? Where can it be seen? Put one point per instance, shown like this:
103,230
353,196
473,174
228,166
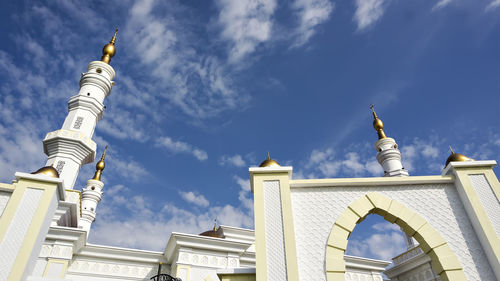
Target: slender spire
215,224
377,124
109,50
100,166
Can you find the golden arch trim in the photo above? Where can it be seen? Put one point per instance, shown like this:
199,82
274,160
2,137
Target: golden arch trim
443,260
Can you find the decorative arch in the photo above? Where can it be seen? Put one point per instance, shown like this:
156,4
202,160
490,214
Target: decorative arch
444,262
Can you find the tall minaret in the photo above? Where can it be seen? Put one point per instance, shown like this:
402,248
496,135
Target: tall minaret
91,195
71,147
388,155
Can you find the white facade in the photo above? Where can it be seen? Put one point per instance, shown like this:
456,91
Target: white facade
301,226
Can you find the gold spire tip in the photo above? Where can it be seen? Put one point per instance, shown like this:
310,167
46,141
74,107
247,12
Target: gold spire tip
215,224
451,150
99,167
378,124
109,49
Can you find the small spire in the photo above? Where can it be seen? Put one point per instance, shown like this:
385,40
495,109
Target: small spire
377,124
215,224
451,150
100,166
109,49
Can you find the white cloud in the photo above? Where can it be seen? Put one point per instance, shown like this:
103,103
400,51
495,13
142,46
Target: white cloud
492,5
441,4
385,243
180,146
145,227
368,12
420,154
197,199
235,160
311,13
245,24
352,163
386,226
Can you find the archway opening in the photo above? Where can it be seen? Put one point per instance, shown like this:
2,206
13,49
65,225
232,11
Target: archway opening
376,243
443,260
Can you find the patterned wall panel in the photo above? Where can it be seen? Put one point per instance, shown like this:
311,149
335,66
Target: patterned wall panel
275,246
316,209
488,199
17,230
4,198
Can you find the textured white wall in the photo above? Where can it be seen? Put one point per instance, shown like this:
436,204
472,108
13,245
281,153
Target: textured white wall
488,199
315,209
275,246
18,228
4,198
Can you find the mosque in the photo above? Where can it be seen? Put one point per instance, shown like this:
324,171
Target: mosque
451,221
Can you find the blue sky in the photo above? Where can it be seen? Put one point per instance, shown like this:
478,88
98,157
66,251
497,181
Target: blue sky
204,89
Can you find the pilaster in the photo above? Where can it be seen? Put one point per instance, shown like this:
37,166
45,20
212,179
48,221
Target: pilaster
25,223
275,247
479,190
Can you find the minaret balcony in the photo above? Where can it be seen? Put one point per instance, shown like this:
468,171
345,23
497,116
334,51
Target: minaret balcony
70,144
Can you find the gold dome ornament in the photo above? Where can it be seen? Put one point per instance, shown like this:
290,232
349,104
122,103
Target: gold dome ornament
456,157
213,232
109,50
269,162
99,167
48,171
378,125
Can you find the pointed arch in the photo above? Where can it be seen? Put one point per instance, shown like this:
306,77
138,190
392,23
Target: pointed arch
444,262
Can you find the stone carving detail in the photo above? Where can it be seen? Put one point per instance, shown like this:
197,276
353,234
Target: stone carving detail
78,123
60,166
315,209
110,269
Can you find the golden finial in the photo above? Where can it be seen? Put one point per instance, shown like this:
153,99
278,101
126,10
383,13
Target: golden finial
109,50
456,157
377,124
269,162
99,167
215,224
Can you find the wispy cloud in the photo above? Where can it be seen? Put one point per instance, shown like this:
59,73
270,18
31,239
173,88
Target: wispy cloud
368,12
245,24
492,5
181,147
327,163
235,160
441,4
310,13
195,198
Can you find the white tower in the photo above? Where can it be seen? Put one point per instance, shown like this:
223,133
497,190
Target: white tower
91,195
388,154
71,147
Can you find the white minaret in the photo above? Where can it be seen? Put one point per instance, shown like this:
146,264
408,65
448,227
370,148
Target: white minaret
388,154
91,195
71,147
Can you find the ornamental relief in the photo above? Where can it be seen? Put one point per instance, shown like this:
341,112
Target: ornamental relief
207,260
111,269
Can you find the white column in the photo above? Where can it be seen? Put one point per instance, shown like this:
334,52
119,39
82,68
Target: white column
91,195
71,147
389,157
